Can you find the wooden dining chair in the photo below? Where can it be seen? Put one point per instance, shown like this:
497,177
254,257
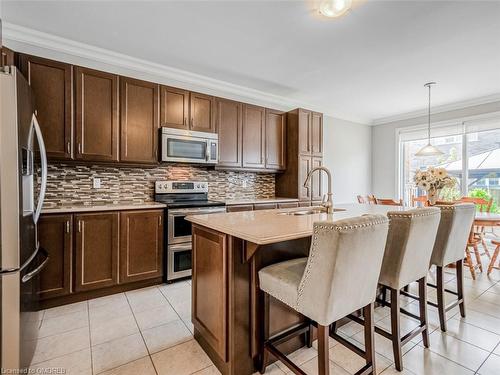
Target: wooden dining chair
494,257
484,206
389,202
361,199
423,200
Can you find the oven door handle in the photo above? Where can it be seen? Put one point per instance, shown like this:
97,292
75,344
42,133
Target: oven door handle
201,211
180,247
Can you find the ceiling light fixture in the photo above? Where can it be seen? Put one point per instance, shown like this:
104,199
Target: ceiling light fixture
429,150
334,8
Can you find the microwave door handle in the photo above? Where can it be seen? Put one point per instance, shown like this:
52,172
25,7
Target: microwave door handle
43,162
207,151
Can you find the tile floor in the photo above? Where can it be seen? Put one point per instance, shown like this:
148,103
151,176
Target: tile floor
148,332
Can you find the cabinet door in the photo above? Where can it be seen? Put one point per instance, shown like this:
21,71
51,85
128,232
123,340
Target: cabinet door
202,113
96,250
96,115
254,124
141,245
51,82
55,236
317,134
174,107
139,120
229,129
304,168
275,139
304,132
316,180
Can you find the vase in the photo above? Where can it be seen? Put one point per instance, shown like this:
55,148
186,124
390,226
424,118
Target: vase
432,196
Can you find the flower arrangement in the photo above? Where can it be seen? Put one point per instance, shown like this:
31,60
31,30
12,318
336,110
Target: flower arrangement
432,181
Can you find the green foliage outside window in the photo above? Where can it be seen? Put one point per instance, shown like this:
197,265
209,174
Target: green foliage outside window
482,193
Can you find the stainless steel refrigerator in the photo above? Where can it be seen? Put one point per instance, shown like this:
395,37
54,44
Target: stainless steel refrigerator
21,258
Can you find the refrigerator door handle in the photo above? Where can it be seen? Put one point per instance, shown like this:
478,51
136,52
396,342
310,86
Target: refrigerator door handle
37,270
43,162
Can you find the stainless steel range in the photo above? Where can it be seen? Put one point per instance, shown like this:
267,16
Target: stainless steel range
182,198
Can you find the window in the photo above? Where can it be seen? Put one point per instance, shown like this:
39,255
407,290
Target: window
477,175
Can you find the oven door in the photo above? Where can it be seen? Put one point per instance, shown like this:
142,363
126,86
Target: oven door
179,261
184,149
178,228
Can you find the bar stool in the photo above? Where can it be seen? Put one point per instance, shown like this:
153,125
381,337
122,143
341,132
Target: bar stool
451,239
407,254
339,277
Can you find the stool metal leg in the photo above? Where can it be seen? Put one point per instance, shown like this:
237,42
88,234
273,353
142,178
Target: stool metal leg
440,298
460,286
395,329
323,347
422,301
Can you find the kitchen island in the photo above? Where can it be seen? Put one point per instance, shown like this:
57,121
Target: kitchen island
228,251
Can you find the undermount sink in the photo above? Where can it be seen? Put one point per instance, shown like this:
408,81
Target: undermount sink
310,211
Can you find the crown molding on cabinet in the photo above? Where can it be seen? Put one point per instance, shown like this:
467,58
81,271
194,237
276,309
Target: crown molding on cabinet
27,40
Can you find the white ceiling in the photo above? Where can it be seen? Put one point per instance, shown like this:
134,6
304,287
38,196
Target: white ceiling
368,65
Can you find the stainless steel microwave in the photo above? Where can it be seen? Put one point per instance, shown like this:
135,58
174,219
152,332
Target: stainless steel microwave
184,146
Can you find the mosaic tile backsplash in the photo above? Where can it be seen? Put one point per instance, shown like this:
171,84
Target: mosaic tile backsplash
72,184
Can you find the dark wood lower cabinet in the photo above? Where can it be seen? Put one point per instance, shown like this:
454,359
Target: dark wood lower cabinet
96,260
141,245
55,234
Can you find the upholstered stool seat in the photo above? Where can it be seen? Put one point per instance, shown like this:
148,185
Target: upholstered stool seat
338,277
282,280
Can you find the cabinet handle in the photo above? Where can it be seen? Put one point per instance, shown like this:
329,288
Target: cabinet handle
79,226
185,121
79,148
192,121
159,221
67,226
68,147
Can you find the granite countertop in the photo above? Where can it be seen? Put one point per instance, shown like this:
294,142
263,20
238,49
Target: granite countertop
270,226
232,202
102,206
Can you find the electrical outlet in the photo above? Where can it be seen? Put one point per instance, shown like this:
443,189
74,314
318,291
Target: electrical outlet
244,184
96,183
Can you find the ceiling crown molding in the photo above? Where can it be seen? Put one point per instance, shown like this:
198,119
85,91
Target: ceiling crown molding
439,109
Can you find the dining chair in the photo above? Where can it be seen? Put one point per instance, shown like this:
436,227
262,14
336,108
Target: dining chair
494,257
484,206
372,199
389,202
423,200
361,199
338,277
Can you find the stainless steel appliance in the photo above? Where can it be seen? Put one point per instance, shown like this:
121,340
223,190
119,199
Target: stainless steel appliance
185,146
21,257
182,198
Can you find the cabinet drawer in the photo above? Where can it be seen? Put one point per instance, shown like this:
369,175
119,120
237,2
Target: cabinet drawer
264,206
288,205
240,207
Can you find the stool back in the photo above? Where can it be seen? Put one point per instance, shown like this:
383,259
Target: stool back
343,267
454,229
409,246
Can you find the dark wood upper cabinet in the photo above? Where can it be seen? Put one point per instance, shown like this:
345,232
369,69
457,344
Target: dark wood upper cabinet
202,110
139,121
55,236
254,141
141,245
174,107
304,131
7,56
96,254
317,134
229,129
96,115
275,139
51,82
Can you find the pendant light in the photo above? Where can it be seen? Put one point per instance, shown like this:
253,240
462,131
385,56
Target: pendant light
334,8
429,150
